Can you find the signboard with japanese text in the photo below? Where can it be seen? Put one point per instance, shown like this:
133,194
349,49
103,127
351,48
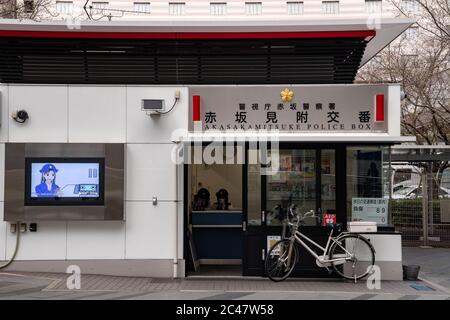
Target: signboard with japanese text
271,241
300,108
329,218
370,209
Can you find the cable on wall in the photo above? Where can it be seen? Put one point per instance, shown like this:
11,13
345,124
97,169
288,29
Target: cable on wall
16,249
177,98
171,108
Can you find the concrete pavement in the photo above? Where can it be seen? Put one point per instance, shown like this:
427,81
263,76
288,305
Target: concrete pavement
434,264
435,271
53,287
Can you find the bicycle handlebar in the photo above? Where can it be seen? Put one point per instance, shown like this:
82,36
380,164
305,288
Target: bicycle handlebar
309,214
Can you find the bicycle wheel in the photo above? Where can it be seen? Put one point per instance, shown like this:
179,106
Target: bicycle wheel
359,256
281,260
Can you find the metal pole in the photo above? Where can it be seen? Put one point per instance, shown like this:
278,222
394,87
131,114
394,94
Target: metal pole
425,207
391,177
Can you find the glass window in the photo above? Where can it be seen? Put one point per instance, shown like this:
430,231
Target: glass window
374,6
64,7
142,7
411,33
218,8
99,7
253,8
254,188
177,8
294,8
28,6
409,6
328,181
216,177
368,184
445,179
294,183
330,7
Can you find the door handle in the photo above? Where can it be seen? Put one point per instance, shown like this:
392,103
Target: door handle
263,216
244,226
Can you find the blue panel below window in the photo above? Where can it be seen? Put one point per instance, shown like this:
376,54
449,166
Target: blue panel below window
218,243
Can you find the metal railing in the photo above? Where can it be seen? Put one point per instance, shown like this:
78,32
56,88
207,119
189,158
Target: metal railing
422,215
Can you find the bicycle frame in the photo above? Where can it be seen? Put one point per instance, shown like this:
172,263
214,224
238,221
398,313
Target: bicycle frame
298,238
286,258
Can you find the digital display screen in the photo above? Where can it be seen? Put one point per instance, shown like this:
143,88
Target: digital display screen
64,180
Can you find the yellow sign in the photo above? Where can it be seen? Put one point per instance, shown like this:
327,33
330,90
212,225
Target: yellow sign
287,95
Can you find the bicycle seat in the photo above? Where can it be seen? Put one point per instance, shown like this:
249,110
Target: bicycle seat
335,227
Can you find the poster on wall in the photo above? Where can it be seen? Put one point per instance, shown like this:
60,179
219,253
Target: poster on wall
370,209
329,218
285,162
271,240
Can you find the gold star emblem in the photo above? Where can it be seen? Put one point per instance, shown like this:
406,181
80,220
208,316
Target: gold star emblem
287,95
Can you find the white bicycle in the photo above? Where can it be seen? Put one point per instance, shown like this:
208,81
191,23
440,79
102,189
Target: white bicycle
351,255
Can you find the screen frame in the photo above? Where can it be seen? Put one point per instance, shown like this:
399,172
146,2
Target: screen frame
69,201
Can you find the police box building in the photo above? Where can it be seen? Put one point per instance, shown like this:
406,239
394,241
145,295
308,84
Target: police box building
174,149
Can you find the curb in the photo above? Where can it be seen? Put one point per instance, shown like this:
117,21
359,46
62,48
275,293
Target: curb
443,289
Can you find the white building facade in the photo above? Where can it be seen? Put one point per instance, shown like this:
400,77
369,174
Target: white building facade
104,106
233,9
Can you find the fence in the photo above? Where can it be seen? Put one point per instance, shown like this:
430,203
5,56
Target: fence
421,211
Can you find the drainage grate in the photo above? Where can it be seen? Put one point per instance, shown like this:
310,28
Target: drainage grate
421,287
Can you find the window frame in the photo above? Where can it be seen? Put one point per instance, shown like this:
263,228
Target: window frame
218,4
178,5
292,4
327,4
250,7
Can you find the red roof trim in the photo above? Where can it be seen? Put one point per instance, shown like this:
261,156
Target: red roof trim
363,34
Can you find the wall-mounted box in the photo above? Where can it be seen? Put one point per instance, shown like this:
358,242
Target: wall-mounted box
152,105
64,181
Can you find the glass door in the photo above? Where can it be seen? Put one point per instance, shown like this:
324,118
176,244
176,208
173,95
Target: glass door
254,233
327,205
294,183
306,177
294,174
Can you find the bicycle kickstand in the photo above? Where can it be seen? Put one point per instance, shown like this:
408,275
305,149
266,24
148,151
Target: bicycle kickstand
329,271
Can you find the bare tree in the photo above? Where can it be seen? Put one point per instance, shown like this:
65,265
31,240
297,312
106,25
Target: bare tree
419,61
434,15
26,9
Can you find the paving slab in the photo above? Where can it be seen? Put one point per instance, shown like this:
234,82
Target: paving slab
434,264
95,287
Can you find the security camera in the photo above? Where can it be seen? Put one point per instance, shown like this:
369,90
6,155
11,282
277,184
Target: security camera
20,116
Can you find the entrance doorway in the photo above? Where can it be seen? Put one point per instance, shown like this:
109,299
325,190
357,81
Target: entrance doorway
215,213
306,177
230,237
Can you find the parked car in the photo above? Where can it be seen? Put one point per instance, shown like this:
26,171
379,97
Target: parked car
407,192
414,192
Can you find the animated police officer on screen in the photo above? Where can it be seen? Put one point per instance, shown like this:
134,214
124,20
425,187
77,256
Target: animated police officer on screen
48,187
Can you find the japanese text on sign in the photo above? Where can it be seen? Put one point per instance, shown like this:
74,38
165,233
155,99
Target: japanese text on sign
370,209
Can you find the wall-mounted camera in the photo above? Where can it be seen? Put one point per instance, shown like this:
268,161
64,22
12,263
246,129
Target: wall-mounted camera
157,106
152,106
20,116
